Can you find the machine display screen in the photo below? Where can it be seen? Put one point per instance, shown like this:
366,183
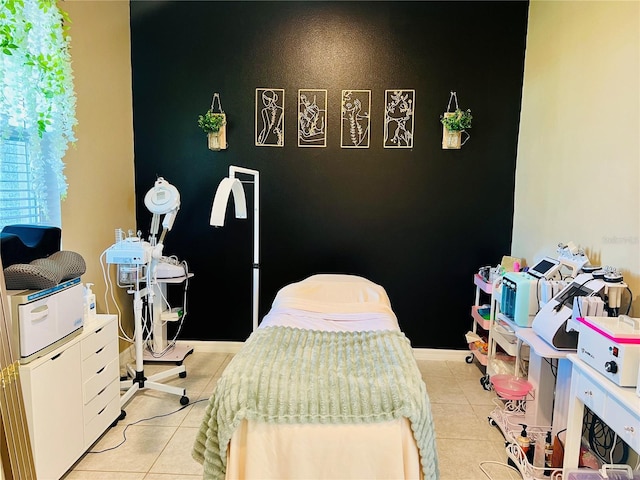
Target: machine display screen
543,268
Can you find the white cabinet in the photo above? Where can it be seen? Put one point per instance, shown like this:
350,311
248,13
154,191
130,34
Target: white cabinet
52,388
72,396
618,407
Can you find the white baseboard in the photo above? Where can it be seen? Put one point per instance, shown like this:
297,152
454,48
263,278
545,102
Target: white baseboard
125,358
440,354
234,347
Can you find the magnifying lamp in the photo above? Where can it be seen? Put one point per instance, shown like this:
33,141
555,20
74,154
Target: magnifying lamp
162,199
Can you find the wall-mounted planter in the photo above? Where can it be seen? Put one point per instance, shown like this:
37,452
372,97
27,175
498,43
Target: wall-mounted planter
451,139
218,140
214,124
454,124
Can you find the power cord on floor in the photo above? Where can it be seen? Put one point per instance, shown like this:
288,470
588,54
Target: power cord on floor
502,464
124,432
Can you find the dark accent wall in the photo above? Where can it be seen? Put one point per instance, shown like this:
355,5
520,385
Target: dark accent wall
418,221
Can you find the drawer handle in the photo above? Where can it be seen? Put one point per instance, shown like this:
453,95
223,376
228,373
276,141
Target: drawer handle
56,356
97,352
100,412
101,391
100,371
629,429
588,393
99,330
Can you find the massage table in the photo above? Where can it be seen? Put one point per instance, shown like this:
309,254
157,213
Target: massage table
326,388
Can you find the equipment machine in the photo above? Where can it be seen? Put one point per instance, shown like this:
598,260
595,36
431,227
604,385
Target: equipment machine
137,262
611,345
550,323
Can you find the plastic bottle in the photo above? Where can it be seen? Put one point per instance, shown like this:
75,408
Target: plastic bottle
539,453
89,302
524,442
548,455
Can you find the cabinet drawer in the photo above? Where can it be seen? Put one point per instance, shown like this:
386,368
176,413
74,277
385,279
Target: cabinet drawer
104,396
98,360
94,384
97,425
98,339
591,394
624,422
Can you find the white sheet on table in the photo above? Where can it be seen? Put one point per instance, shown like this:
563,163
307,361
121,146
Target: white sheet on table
332,322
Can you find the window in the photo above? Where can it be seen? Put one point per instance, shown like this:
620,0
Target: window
19,203
37,111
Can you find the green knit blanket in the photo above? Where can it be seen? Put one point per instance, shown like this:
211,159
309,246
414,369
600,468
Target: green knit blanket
288,375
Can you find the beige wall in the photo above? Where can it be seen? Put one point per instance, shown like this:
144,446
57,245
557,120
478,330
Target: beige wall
99,167
578,164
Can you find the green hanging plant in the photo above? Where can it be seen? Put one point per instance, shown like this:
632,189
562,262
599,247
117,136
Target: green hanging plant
211,122
457,121
37,101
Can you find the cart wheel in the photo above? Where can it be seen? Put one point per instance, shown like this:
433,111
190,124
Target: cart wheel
122,415
469,358
182,374
485,382
184,400
492,422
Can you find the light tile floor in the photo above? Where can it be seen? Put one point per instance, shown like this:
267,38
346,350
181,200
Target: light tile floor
154,440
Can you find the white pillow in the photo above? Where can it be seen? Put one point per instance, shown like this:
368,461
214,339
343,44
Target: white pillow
334,293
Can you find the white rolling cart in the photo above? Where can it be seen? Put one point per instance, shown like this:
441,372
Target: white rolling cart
480,325
503,346
543,409
506,349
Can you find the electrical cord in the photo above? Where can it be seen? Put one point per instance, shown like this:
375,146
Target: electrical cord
603,440
502,464
629,305
124,432
172,343
106,275
553,366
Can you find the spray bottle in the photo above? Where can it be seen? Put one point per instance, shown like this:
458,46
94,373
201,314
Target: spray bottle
89,302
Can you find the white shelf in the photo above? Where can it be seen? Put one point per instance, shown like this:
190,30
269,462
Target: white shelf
179,279
538,345
509,418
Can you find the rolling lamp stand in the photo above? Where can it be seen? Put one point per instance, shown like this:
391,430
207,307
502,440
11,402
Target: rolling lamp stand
232,185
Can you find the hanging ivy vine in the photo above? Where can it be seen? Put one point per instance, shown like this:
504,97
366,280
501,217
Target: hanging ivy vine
37,100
